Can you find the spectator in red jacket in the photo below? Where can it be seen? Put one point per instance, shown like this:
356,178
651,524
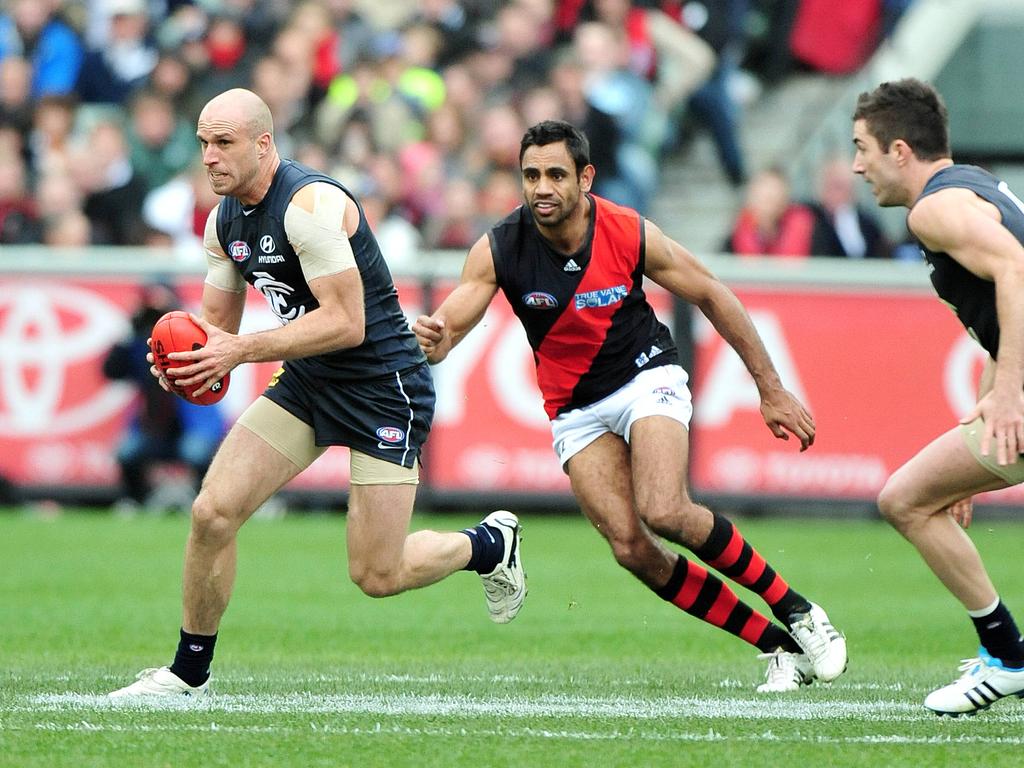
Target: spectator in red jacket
770,223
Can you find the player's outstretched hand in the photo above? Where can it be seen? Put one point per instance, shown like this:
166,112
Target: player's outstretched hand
430,333
784,414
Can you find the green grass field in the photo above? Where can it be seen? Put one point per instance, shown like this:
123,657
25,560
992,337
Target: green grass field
596,671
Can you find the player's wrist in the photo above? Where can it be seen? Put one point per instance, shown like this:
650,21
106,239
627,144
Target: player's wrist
247,348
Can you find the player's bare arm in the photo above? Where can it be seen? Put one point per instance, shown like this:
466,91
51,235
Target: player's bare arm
224,290
463,308
674,268
968,228
223,308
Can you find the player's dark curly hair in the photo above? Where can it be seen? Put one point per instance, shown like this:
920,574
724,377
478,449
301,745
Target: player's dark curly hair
553,131
907,109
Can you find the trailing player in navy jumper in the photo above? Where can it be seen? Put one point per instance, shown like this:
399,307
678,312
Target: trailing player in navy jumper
353,375
971,230
572,265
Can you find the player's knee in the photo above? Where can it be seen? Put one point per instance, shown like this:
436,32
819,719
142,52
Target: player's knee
677,521
892,506
211,520
663,521
374,583
631,552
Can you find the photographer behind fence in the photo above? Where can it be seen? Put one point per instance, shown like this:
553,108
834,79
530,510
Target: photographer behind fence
162,428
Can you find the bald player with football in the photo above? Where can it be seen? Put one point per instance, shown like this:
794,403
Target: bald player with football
353,375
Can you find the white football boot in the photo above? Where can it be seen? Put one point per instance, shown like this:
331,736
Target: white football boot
505,586
984,681
824,645
160,681
786,672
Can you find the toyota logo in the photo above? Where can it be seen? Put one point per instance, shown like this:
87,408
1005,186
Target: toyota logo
52,334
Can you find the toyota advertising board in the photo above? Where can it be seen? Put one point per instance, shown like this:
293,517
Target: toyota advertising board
58,415
882,372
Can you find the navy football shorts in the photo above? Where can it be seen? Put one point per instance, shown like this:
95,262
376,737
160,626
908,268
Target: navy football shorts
387,417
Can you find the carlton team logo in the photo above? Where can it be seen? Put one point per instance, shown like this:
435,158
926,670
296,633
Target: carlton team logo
239,250
278,295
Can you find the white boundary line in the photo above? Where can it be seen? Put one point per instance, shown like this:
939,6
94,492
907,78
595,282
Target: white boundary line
612,734
609,708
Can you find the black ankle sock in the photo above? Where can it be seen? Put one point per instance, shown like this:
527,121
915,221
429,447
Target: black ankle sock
793,604
192,660
774,637
1000,637
488,548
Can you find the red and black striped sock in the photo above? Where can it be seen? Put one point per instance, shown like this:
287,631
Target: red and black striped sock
702,594
731,555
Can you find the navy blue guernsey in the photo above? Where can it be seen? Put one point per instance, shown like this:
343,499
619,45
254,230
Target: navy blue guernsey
585,314
256,241
973,298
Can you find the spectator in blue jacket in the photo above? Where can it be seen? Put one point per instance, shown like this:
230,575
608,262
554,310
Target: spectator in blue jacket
32,30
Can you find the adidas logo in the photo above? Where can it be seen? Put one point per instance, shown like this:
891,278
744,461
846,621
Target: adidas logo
571,266
983,695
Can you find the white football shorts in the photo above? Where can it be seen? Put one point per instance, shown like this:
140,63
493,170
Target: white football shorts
660,391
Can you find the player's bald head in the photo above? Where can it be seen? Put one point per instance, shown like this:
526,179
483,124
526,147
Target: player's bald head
240,108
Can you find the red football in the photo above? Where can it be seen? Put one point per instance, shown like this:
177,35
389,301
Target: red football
176,332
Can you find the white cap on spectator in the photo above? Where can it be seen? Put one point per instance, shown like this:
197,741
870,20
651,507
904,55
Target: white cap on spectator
125,7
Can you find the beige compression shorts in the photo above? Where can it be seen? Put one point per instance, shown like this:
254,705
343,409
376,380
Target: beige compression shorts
1011,473
293,438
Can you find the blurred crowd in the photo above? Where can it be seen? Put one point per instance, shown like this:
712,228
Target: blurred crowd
417,106
771,222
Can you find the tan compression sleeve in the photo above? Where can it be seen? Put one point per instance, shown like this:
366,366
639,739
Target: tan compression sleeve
315,223
220,272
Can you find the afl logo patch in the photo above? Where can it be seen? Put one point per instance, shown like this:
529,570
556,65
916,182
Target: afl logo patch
239,250
390,434
267,244
540,300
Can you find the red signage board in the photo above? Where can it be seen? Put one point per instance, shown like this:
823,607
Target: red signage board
882,373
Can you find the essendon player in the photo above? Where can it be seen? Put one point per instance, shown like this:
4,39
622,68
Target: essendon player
572,266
